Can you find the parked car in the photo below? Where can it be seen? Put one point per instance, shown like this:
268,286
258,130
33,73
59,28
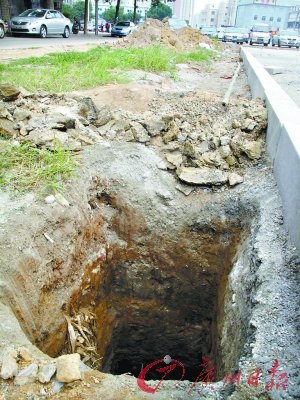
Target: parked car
288,38
220,33
209,31
236,35
122,28
2,29
41,22
260,34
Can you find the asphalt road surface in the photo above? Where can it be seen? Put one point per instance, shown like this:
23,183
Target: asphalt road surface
287,63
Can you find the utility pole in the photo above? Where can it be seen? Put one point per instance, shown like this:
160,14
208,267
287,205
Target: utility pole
86,15
134,11
96,17
117,11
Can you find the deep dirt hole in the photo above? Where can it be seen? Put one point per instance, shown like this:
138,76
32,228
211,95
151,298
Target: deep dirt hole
156,294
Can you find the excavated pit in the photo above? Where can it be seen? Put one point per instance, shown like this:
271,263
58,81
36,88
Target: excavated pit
142,271
154,294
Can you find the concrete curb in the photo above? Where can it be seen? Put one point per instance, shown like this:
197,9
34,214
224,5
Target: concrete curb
283,140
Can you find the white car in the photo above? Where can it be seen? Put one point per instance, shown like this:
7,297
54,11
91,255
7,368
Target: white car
41,22
235,35
122,28
288,38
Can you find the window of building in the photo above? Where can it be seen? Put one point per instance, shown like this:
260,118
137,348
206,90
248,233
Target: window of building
263,18
212,20
213,13
255,17
271,18
278,19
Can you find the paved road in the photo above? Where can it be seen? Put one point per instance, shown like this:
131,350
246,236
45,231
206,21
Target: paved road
288,63
35,42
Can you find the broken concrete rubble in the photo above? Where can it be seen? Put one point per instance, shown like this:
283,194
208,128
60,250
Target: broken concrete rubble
188,130
202,176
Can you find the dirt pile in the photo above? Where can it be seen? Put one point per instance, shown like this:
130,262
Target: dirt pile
154,32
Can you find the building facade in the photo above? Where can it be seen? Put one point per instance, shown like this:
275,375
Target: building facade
226,13
128,5
184,9
273,12
11,8
208,16
216,14
294,18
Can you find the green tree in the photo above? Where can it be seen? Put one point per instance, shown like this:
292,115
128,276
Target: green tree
67,10
109,14
76,11
159,10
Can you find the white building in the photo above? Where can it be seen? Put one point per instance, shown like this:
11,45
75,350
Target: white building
184,9
128,5
208,16
216,13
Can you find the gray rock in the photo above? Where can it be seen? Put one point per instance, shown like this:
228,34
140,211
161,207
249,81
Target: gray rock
162,165
25,354
9,92
4,113
154,127
139,132
184,189
252,149
9,367
128,136
224,151
174,158
60,121
84,367
202,176
163,194
27,375
103,117
224,140
44,138
203,147
189,149
21,114
7,128
50,199
235,179
248,125
46,372
56,386
68,368
87,109
120,125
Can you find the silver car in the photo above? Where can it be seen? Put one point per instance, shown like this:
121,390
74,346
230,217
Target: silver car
122,28
2,29
41,22
235,35
288,38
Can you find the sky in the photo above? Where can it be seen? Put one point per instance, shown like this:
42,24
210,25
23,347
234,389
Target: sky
199,4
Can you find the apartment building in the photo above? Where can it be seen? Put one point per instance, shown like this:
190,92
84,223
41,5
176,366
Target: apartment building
184,9
294,17
216,14
273,12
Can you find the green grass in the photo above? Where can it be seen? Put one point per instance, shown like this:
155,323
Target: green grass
24,168
68,71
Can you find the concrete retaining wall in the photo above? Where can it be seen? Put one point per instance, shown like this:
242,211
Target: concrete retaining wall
283,140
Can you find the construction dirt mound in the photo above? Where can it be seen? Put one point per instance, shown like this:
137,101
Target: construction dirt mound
154,31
